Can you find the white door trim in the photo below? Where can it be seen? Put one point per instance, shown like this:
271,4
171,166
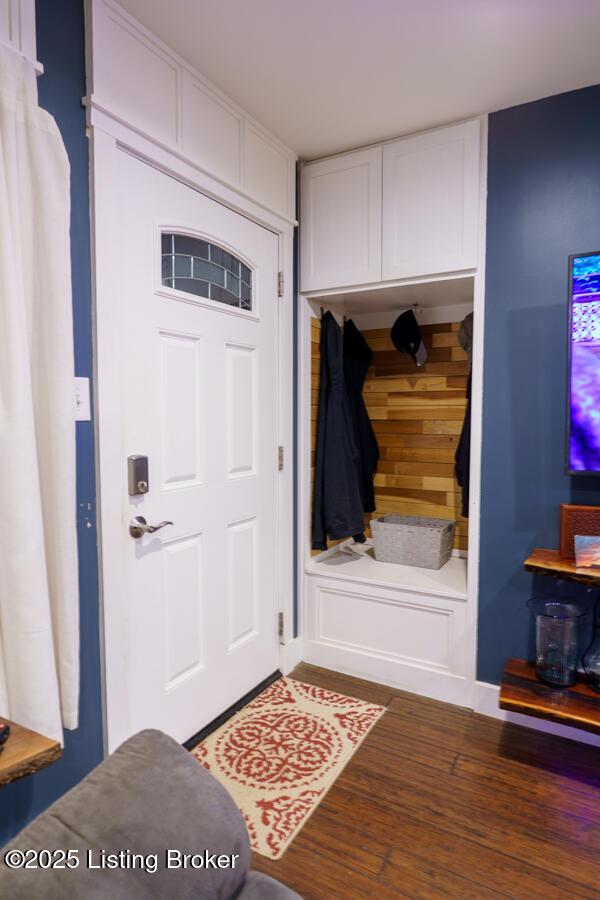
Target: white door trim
477,374
104,147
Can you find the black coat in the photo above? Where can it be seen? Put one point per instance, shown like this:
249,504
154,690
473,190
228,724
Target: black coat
357,359
463,454
337,504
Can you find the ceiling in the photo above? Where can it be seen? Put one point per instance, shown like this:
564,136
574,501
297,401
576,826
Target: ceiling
329,75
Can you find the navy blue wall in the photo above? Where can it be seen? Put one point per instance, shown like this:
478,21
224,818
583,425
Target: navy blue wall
60,35
543,204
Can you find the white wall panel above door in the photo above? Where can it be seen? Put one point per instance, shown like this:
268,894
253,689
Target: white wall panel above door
140,82
267,170
341,220
138,79
6,22
212,131
431,202
17,27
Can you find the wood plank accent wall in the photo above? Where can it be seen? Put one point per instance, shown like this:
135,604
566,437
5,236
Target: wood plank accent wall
417,415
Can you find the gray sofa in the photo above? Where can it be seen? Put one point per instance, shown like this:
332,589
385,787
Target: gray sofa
147,798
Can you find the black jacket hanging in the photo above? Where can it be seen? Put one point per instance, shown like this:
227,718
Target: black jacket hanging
337,505
357,359
463,454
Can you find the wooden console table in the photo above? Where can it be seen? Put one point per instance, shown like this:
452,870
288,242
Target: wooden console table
521,691
550,562
25,752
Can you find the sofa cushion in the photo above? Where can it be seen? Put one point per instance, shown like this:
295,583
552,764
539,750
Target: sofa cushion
261,887
147,798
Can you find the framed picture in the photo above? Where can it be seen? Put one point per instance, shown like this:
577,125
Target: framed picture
587,551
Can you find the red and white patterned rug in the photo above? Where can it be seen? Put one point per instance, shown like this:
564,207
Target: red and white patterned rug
280,754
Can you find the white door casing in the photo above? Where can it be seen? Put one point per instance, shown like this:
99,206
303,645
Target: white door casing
191,611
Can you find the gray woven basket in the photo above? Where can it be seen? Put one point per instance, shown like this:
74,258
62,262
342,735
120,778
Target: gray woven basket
413,540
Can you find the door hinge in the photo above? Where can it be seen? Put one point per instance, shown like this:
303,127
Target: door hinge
280,626
280,458
280,284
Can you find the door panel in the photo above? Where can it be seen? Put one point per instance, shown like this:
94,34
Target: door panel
241,570
199,398
242,414
180,405
182,605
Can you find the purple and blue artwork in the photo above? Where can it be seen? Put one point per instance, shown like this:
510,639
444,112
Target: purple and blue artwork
584,434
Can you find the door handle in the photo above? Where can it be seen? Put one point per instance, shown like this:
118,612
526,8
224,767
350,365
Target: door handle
138,527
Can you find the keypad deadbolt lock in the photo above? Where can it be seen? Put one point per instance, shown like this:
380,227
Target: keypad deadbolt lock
137,475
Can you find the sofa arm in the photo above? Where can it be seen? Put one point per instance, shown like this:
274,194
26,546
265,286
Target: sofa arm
261,887
148,797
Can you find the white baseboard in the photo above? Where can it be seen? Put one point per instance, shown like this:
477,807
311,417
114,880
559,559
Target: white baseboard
290,655
486,703
414,679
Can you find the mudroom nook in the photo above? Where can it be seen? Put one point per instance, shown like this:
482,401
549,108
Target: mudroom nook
392,228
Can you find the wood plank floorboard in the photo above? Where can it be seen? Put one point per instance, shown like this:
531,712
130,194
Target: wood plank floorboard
441,802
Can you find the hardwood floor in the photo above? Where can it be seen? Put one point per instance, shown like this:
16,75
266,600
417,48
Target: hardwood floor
441,802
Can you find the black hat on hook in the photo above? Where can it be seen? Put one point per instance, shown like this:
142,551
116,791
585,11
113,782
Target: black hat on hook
406,337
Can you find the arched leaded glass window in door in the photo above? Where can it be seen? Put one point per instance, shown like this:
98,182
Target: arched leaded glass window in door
206,270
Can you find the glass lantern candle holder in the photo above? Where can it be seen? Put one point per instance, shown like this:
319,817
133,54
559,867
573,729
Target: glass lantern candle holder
591,663
591,659
556,640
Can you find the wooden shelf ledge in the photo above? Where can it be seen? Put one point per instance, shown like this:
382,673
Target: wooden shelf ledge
521,691
550,562
25,752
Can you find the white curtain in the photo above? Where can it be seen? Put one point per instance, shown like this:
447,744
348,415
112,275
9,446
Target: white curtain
39,608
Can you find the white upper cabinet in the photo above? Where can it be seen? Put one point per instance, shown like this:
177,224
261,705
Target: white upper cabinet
404,209
431,202
341,220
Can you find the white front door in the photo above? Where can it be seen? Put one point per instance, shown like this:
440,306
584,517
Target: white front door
196,303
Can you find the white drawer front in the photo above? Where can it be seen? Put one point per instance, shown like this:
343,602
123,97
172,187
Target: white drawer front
414,641
395,628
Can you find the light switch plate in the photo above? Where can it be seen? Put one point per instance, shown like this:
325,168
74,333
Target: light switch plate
82,400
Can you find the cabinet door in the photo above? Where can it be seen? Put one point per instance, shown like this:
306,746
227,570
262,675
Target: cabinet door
431,202
341,220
